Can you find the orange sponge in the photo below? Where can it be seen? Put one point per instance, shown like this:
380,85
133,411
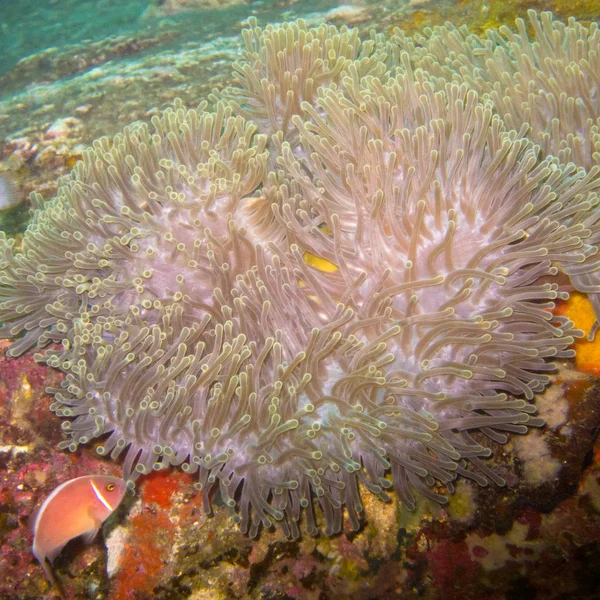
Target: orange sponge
579,309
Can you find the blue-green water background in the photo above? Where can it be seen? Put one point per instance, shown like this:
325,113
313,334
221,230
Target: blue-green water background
30,26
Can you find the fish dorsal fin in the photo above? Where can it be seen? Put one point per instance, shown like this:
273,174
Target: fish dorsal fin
36,514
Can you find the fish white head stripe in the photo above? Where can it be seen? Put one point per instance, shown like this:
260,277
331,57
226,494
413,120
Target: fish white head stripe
100,496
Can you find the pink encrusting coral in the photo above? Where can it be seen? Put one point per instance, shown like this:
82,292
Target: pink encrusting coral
169,280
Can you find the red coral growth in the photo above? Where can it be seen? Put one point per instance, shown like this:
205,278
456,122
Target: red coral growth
145,556
455,574
160,486
533,519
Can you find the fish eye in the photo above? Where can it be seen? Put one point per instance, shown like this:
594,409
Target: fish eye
110,487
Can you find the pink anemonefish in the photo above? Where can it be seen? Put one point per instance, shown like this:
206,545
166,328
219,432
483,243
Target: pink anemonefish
77,507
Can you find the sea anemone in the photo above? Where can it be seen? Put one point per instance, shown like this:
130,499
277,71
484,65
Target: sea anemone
446,230
364,297
551,83
283,66
548,88
138,213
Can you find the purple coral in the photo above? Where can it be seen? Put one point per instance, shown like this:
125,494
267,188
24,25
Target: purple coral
172,272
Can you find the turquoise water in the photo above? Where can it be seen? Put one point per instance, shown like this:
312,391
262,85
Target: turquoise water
31,26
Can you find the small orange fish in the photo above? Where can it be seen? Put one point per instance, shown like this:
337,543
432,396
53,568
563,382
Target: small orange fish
77,507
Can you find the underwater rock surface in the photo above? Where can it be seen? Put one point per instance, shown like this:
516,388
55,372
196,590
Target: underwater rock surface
161,544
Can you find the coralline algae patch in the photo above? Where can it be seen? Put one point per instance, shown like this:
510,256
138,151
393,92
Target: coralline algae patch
161,545
525,556
31,468
25,470
167,547
566,540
